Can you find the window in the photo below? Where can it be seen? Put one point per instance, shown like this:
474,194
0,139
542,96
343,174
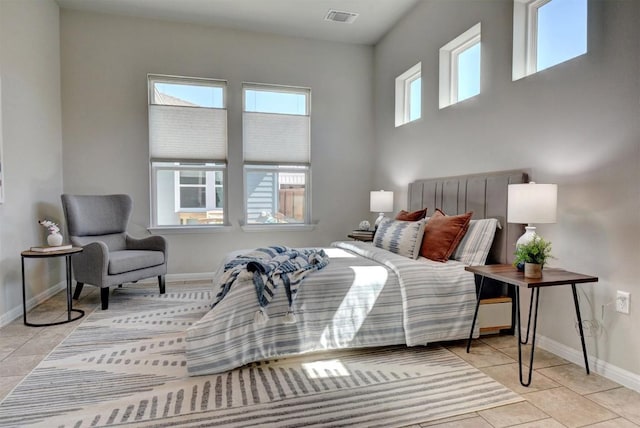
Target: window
277,154
409,95
193,190
460,67
188,150
547,33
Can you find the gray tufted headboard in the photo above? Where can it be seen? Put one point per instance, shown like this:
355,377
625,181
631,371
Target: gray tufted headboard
484,194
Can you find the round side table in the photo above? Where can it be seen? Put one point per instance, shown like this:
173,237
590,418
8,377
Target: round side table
28,254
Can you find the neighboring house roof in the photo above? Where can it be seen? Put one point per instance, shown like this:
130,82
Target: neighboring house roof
164,99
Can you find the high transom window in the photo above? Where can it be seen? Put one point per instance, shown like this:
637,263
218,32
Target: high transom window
460,67
547,33
409,95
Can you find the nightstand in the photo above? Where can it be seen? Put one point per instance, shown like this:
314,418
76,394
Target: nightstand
362,238
550,278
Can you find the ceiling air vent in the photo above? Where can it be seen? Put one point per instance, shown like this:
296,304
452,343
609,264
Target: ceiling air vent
338,16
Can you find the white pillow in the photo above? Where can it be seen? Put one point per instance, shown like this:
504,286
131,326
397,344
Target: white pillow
400,237
476,243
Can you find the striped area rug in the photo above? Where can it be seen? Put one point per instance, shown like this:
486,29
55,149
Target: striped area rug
126,367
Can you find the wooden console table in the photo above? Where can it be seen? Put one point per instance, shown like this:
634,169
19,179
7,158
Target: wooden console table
28,254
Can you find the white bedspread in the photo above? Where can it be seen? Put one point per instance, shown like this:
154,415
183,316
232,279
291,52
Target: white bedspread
366,296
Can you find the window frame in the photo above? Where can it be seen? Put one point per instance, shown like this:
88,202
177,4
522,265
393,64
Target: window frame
177,164
274,166
403,104
449,65
525,33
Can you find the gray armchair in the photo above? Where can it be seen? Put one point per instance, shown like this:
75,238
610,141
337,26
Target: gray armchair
110,257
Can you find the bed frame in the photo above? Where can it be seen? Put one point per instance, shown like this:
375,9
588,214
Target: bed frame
485,195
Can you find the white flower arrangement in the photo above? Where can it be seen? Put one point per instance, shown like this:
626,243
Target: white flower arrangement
51,226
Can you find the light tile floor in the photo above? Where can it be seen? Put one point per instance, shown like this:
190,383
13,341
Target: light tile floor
561,393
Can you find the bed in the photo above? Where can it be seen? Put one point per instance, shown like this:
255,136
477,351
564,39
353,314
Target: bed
366,296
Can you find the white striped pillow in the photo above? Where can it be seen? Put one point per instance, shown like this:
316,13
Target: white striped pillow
400,237
476,243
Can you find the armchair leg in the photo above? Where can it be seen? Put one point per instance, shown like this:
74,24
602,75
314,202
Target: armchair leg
161,283
104,298
78,290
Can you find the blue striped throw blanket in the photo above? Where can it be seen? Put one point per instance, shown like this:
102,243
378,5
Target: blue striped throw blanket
271,267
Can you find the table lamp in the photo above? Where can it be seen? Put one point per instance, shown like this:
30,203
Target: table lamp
381,202
531,203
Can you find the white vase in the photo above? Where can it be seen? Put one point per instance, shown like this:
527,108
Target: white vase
54,239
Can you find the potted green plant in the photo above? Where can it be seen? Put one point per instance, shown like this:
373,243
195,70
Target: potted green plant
533,255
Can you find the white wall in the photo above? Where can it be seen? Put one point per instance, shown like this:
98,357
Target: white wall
105,61
576,124
32,140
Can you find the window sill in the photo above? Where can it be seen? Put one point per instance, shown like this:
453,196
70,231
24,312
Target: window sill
274,227
188,229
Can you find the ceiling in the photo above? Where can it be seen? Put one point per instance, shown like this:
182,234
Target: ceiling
297,18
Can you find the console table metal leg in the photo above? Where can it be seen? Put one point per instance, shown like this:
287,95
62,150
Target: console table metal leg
475,314
584,347
69,301
526,340
534,295
24,296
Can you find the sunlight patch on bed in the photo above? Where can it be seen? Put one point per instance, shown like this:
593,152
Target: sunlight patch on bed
325,369
368,282
337,253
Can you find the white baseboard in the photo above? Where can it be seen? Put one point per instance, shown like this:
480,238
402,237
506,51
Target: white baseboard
16,312
603,368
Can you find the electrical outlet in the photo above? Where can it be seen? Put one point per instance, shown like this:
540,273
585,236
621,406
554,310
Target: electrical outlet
622,301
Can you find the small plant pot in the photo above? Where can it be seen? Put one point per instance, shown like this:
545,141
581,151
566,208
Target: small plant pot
532,270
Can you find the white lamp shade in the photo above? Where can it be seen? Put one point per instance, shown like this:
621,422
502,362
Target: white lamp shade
532,203
381,201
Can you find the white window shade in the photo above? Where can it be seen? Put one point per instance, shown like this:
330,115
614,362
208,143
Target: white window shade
277,138
187,133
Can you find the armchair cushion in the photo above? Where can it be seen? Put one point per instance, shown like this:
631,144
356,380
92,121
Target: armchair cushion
130,260
114,241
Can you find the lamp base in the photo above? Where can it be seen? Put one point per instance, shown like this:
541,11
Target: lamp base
529,234
379,219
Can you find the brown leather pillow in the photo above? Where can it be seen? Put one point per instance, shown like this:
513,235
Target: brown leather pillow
442,234
412,216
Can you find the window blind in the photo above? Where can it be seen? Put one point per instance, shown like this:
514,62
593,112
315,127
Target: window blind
276,138
177,132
